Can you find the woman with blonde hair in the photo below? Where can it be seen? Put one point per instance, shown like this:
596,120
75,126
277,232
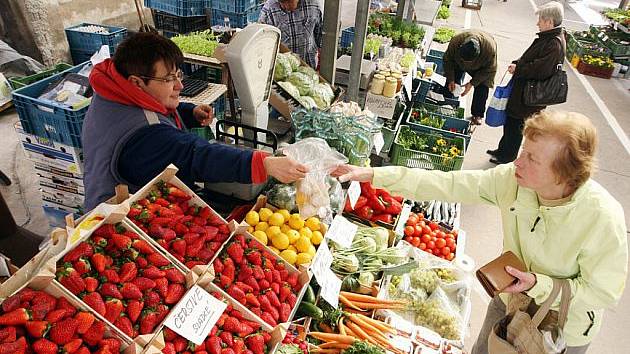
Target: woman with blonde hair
555,218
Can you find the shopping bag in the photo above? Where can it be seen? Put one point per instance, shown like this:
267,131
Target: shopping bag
496,113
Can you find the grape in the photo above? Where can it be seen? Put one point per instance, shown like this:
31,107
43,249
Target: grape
445,275
431,315
425,279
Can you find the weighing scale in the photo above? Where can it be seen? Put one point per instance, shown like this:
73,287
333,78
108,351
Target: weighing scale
251,57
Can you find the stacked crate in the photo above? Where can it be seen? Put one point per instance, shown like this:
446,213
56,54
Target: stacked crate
85,39
235,13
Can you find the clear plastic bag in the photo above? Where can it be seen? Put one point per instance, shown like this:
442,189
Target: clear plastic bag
439,314
312,191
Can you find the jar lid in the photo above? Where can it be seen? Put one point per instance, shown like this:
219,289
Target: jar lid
391,79
379,77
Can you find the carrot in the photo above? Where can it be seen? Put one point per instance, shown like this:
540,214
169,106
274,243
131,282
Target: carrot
349,332
363,324
341,327
354,297
357,312
356,329
331,337
334,345
324,327
324,351
374,305
348,303
384,327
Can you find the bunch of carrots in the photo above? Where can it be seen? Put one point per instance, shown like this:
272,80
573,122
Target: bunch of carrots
354,325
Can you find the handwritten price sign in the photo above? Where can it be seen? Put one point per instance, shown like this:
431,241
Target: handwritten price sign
380,105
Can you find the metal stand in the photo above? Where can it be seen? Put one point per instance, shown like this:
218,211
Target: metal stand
16,242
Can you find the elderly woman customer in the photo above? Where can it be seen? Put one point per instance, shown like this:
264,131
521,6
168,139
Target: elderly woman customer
539,62
557,220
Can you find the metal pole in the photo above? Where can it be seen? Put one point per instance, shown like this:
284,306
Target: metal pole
410,10
330,35
400,10
360,30
623,4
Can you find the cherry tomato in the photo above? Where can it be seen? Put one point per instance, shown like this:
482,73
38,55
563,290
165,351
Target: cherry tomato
413,220
407,238
418,231
450,242
440,234
450,235
446,251
454,232
422,246
415,241
436,252
420,216
425,238
426,229
409,230
450,257
440,243
433,225
430,245
433,238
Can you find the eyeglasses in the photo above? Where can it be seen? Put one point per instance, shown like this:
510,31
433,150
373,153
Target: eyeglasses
179,75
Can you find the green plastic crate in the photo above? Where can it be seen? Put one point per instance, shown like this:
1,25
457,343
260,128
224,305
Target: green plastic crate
446,111
390,132
19,82
428,161
612,40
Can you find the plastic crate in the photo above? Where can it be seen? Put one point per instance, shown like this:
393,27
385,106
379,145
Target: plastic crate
84,44
421,87
612,40
390,133
219,108
179,7
233,5
178,24
418,159
437,57
347,37
202,72
47,119
446,111
452,128
591,70
19,82
237,19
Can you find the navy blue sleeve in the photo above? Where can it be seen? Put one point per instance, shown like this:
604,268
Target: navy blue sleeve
185,111
151,149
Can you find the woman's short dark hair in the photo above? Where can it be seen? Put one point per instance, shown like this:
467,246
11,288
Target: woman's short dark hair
138,54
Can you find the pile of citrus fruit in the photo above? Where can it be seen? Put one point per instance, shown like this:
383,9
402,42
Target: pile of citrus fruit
288,235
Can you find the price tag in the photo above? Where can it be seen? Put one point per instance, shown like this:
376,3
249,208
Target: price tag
404,215
382,106
605,38
600,34
408,84
195,315
379,142
331,286
615,25
342,231
321,263
354,191
439,79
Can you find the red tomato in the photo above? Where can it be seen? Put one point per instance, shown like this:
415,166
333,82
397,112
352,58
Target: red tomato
453,248
426,229
409,230
433,238
407,238
415,241
430,245
418,231
420,216
446,251
413,220
436,252
450,235
440,243
440,234
422,223
450,257
454,232
450,242
422,246
425,238
433,225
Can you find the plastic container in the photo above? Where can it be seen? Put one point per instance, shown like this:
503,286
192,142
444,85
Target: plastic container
595,71
437,57
179,7
84,44
236,19
442,110
19,82
452,128
233,5
347,37
423,87
48,119
389,131
428,161
173,25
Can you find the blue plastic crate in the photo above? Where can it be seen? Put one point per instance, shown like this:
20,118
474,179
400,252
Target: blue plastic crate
48,119
179,7
347,37
85,43
436,57
219,108
233,5
452,127
421,87
237,19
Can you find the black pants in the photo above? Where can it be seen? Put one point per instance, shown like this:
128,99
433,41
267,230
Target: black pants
480,95
511,140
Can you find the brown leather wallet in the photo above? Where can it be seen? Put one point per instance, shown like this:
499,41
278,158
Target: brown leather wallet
493,276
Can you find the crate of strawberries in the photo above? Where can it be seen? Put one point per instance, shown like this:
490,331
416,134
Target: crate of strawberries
43,318
431,237
376,205
178,222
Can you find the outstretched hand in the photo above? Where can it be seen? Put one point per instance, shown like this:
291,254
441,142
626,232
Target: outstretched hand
353,173
284,169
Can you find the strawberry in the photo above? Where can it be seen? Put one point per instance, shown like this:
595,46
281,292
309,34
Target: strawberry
81,266
141,262
275,287
213,345
254,257
292,299
251,299
162,202
64,304
85,321
239,346
259,274
71,280
236,293
83,350
143,246
266,316
17,347
227,338
8,335
273,299
224,281
236,252
192,264
285,291
11,303
36,329
95,333
175,276
263,284
180,229
180,344
99,262
169,348
292,279
252,283
285,312
72,346
124,324
90,284
161,312
178,246
144,283
134,307
175,292
169,334
113,308
55,315
256,344
148,322
15,317
244,287
276,276
227,351
95,301
44,346
110,275
153,272
105,230
232,324
201,348
284,274
193,249
83,249
122,242
41,304
128,272
110,290
113,343
205,255
63,331
161,286
131,291
177,193
152,299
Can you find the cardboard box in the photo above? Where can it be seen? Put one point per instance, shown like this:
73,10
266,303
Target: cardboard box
67,180
56,215
62,185
49,152
46,168
58,196
342,75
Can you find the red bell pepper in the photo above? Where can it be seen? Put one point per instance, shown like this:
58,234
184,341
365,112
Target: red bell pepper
398,198
376,203
361,201
383,193
394,208
367,189
386,218
365,212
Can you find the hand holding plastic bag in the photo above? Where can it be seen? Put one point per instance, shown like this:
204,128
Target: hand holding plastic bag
312,191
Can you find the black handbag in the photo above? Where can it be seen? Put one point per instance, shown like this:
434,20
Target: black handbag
547,92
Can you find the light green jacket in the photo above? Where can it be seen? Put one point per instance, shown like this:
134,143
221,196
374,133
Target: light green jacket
583,241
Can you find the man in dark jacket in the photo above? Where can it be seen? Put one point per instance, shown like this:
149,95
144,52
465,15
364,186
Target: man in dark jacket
473,52
135,127
539,62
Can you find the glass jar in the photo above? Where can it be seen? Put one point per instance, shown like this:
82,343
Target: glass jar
378,82
398,78
390,87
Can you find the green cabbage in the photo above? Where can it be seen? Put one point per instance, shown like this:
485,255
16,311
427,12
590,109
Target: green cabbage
290,88
310,72
293,59
323,95
307,102
302,81
283,68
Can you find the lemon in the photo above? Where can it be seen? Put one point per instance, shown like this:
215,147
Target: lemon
303,258
275,250
311,251
293,236
317,238
305,231
312,223
262,226
250,229
285,213
292,248
303,243
280,241
285,228
264,214
296,222
289,256
272,231
276,219
261,236
252,218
